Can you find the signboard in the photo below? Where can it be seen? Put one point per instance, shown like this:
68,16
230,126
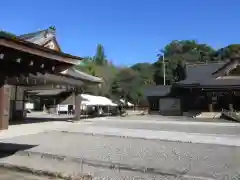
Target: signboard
62,107
29,106
170,105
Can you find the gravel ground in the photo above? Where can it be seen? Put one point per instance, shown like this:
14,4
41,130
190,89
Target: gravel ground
171,127
196,159
130,155
13,175
164,118
69,167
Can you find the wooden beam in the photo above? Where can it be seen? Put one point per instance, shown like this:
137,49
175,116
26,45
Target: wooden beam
33,49
47,87
13,65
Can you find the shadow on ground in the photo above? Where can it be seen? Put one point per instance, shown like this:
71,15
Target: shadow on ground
8,149
32,120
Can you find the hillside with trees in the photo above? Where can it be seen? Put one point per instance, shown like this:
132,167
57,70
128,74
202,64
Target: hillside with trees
129,82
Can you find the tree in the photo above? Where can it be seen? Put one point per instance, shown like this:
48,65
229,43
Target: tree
177,54
100,58
126,84
87,66
106,72
230,51
190,49
146,71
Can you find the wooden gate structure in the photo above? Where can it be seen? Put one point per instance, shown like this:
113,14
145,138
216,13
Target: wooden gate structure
24,63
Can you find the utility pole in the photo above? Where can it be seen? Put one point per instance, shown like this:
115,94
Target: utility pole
163,65
164,71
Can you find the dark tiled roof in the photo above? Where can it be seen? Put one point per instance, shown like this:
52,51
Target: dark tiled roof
228,66
205,76
39,37
214,83
159,90
220,82
200,72
15,39
61,79
72,72
44,36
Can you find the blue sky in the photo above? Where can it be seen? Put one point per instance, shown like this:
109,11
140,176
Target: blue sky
130,30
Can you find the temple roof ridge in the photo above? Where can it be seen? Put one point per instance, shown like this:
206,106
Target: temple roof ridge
40,37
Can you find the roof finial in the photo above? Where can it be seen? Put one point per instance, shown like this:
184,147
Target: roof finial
53,28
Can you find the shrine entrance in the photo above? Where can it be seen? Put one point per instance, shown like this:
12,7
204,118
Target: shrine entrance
23,63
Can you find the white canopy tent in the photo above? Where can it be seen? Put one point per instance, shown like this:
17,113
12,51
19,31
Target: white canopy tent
126,103
130,104
90,100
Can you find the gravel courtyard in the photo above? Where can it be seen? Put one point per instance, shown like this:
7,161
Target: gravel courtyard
14,175
70,150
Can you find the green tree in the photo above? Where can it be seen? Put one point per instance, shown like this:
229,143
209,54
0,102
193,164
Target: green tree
230,51
88,66
100,58
176,55
125,83
129,83
146,71
106,72
191,50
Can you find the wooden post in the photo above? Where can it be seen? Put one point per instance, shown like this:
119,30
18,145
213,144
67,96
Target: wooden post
19,111
4,103
77,102
210,107
210,102
230,101
231,107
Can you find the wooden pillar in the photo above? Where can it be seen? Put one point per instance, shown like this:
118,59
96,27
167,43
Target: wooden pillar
210,102
210,107
230,101
44,108
19,110
4,104
77,102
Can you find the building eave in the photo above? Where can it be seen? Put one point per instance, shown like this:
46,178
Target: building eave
72,72
31,48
